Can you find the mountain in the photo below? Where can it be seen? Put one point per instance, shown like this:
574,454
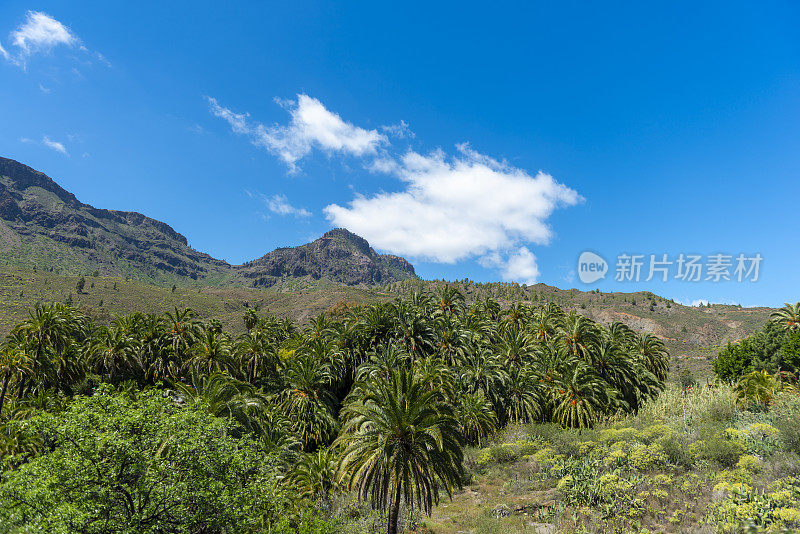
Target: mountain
44,226
338,255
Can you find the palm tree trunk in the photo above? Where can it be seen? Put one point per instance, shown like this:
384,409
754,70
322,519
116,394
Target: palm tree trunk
394,511
3,391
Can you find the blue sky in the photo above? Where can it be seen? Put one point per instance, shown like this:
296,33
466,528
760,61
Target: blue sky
480,142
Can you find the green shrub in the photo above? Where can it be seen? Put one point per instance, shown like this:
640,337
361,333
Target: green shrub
648,457
720,448
181,467
676,447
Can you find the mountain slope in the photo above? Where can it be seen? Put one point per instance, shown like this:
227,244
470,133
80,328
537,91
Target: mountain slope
338,255
44,226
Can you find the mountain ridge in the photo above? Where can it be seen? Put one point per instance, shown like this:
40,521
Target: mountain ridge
42,225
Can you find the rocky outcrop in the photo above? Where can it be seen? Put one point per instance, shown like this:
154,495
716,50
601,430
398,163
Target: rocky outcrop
339,255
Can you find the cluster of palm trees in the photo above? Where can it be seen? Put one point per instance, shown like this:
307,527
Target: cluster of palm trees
379,398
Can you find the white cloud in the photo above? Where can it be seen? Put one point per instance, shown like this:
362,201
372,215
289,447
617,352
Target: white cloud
521,266
449,207
40,34
400,130
311,126
455,208
279,205
55,145
704,302
517,266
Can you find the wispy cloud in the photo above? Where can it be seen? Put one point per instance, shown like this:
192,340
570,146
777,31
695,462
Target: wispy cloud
400,130
41,34
47,142
311,126
279,204
54,145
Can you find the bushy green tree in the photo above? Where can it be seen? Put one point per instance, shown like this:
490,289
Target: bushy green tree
136,464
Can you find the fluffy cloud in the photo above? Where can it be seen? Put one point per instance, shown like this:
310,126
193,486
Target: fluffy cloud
521,266
456,208
311,126
448,207
55,145
40,33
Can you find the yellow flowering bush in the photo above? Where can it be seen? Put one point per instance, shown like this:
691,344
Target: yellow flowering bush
761,431
613,435
615,458
547,456
654,432
586,447
783,497
691,484
735,476
749,463
790,516
565,483
733,487
647,457
611,485
662,480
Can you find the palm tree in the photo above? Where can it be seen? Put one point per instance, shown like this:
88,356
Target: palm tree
211,352
400,442
315,475
451,340
580,397
112,352
620,334
578,335
225,397
515,317
788,317
653,354
51,334
14,362
449,300
476,417
522,398
256,358
413,330
183,330
308,401
758,386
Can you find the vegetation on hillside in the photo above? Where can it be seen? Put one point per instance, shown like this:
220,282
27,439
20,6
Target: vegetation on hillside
370,402
774,349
